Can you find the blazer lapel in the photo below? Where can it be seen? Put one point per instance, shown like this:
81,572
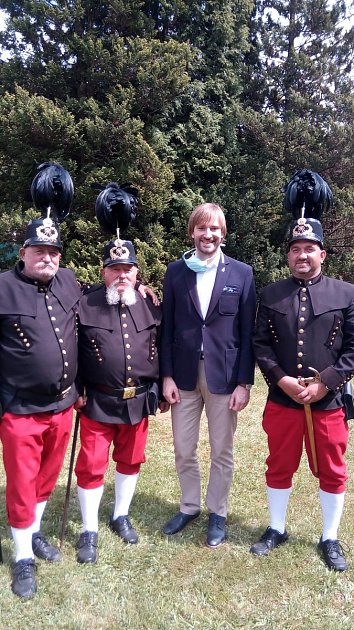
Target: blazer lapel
220,281
191,280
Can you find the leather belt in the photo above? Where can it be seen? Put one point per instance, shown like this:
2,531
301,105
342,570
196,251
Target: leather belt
29,394
124,393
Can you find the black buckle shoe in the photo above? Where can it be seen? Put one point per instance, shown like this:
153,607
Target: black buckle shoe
333,554
87,547
24,578
123,528
43,549
269,541
216,530
178,522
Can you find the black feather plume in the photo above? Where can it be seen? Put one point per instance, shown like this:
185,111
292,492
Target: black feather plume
115,206
308,195
52,189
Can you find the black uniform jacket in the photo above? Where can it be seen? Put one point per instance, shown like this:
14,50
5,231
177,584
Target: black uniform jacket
117,349
306,324
38,342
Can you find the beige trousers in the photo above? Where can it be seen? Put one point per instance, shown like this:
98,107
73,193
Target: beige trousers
186,417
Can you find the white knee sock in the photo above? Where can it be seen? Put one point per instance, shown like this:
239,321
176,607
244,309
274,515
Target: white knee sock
278,504
39,513
124,490
23,542
332,508
89,503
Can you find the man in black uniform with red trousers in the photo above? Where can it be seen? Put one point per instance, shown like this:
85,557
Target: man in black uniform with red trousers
118,369
38,364
305,326
37,391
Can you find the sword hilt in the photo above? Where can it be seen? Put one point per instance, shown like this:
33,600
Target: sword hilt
310,379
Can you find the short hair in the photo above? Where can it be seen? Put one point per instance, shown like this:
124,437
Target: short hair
205,214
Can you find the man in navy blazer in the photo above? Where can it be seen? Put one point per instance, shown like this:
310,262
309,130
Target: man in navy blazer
206,361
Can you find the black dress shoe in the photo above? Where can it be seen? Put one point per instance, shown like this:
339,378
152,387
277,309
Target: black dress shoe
123,528
87,547
333,554
216,530
178,522
24,578
269,541
43,549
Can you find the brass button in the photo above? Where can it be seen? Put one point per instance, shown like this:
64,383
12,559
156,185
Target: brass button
301,331
303,308
127,345
299,365
300,354
126,335
302,319
301,343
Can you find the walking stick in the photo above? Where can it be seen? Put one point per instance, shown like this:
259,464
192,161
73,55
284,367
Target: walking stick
68,485
309,421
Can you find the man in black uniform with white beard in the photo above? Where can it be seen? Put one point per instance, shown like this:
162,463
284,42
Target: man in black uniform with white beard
38,344
118,367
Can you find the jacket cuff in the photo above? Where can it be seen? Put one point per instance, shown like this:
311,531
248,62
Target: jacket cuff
332,379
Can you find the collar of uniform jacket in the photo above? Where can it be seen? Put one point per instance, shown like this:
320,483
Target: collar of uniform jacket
143,313
323,292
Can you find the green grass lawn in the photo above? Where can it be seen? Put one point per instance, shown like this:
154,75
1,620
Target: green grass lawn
178,582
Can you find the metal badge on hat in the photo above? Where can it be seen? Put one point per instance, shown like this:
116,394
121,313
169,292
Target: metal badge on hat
47,231
119,251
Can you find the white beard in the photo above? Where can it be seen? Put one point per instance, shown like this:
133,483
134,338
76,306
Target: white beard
113,297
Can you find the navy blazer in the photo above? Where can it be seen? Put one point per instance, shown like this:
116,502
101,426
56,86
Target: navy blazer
225,333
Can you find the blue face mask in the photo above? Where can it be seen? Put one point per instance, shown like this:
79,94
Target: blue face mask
193,263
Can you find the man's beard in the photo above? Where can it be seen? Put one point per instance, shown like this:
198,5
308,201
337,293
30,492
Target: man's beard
128,296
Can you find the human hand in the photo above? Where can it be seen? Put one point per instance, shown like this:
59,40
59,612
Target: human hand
170,390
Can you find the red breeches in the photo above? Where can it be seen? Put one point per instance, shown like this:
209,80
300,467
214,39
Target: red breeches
129,442
287,430
34,448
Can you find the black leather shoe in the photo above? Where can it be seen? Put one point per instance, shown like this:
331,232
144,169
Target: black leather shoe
269,541
333,554
24,578
216,530
178,522
87,547
123,528
43,549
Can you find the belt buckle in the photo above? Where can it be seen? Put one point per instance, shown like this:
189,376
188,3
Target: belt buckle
128,392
